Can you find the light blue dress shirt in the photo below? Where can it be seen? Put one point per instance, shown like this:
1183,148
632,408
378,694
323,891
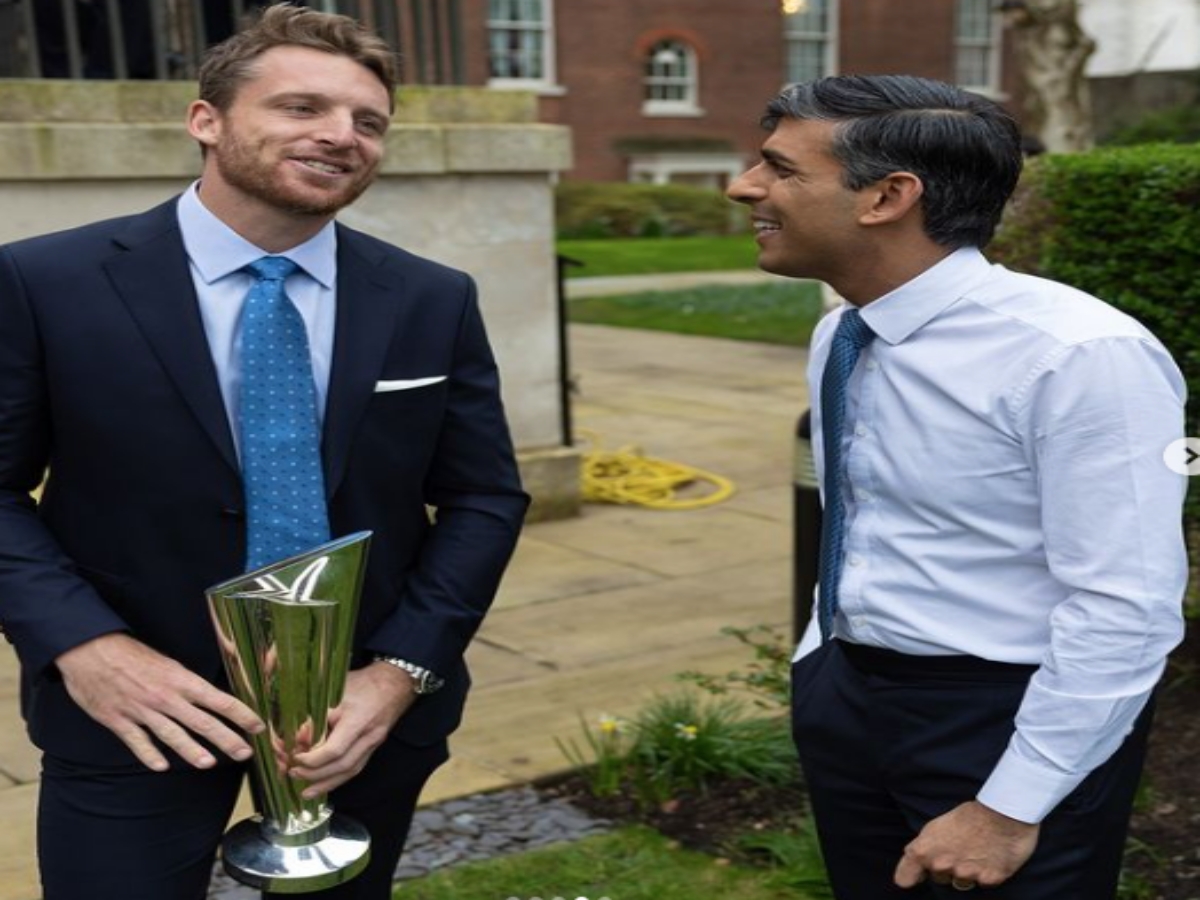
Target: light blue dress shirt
217,255
1007,498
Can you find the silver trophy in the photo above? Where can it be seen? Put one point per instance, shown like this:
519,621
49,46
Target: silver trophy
285,632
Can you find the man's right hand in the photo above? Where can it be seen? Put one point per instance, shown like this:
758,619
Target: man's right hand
139,694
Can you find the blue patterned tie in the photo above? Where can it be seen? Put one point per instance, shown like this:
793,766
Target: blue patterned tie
851,336
280,440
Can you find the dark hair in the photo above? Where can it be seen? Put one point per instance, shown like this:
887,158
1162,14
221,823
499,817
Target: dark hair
230,63
965,149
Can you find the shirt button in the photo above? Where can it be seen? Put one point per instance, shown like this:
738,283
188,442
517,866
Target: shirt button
855,561
872,365
862,496
859,622
860,430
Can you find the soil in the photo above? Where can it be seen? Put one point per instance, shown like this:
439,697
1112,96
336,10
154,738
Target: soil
1166,827
1163,862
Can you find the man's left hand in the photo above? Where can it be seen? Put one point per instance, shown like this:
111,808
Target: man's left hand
376,697
969,846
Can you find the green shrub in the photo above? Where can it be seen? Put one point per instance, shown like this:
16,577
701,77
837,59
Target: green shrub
682,742
617,209
1122,223
1175,125
768,679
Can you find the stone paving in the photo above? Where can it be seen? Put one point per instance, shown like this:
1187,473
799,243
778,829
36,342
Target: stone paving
597,613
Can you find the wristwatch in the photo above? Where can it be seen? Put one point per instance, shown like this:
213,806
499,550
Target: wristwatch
424,681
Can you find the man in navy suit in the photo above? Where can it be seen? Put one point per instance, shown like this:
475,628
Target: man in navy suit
119,376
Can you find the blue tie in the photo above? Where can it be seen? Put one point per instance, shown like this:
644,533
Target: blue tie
280,440
851,336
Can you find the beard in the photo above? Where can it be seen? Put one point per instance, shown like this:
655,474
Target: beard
251,170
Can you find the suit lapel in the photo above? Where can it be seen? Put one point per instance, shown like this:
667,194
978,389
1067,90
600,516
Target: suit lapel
366,313
153,279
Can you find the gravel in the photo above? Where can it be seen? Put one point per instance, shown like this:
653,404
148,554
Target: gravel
468,829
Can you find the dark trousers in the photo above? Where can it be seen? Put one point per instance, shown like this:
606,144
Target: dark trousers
131,834
888,742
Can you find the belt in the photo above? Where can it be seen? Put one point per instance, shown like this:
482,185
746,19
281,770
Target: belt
879,661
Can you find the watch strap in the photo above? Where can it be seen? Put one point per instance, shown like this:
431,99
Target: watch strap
424,681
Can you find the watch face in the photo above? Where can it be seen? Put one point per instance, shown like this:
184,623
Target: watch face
430,683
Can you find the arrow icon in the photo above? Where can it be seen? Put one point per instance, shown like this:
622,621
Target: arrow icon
1183,456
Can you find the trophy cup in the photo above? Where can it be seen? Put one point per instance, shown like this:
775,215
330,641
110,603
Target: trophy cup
285,632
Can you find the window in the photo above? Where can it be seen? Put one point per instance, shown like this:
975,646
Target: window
976,32
809,29
671,80
520,42
707,170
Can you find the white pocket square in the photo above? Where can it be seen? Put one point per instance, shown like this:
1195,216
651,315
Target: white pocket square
406,384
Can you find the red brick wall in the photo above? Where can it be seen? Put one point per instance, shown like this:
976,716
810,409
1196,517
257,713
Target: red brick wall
599,57
601,50
884,37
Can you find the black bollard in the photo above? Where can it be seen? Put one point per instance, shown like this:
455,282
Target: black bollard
806,527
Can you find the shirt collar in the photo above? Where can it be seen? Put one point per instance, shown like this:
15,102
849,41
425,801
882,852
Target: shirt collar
898,314
216,250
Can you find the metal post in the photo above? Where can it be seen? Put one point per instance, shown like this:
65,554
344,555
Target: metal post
456,57
439,73
33,52
71,32
806,527
116,40
564,356
418,69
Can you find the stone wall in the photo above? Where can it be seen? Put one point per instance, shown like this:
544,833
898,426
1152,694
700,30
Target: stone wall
466,181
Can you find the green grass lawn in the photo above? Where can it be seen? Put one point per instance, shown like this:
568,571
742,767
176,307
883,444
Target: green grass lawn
775,313
629,864
642,256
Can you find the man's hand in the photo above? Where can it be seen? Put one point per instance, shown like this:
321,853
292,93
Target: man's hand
376,697
968,846
138,694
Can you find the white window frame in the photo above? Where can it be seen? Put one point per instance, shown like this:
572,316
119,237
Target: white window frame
794,34
989,45
689,105
658,168
547,83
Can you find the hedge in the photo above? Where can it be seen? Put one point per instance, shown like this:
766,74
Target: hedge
619,209
1122,223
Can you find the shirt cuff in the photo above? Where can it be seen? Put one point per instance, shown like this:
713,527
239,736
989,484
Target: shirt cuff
1024,790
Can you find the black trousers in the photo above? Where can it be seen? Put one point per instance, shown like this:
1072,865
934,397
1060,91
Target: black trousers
131,834
888,742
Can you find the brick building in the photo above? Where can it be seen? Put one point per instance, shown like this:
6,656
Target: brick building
671,90
653,90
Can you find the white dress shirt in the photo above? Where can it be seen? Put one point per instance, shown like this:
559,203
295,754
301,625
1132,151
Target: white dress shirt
1007,498
218,255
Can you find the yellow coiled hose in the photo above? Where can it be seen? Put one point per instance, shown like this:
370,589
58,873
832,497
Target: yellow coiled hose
628,476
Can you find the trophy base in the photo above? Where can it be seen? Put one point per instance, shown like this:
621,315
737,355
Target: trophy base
249,856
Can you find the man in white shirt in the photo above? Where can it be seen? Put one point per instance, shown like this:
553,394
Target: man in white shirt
1007,577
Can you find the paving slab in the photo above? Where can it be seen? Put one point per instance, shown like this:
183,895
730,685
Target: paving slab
547,571
677,543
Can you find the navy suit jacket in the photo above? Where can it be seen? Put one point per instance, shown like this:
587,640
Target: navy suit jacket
106,379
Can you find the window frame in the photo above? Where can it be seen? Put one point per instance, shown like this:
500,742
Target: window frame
547,82
828,40
689,80
990,46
